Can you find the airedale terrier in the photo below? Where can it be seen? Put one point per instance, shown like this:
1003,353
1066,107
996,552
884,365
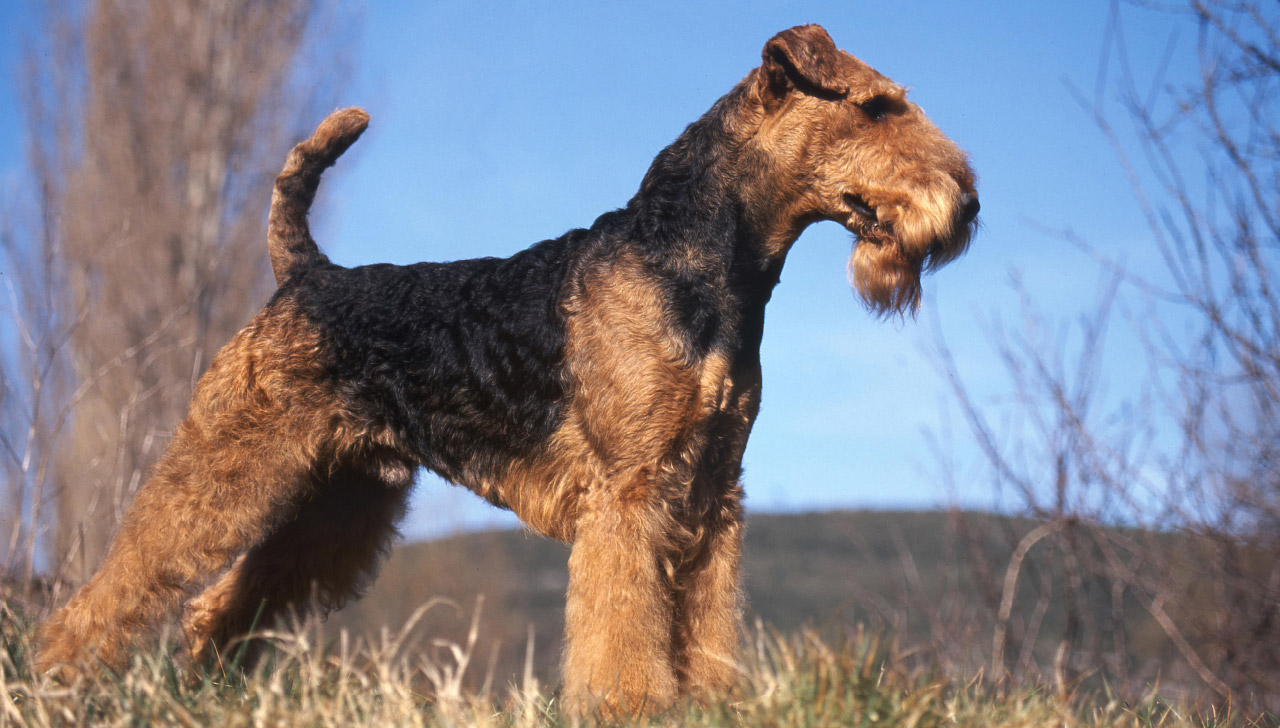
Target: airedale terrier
601,385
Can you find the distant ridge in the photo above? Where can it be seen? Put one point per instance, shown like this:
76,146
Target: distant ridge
904,572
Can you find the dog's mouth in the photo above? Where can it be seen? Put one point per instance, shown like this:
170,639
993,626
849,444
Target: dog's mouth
864,221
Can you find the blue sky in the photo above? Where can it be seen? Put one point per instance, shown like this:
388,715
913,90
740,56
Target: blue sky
498,125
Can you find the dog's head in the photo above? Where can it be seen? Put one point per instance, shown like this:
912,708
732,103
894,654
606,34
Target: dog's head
842,142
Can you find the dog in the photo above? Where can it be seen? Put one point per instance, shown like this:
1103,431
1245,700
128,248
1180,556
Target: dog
601,385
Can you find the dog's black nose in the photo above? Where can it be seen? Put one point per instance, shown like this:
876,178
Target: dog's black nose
968,207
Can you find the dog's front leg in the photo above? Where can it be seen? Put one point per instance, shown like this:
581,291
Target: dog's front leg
709,604
619,615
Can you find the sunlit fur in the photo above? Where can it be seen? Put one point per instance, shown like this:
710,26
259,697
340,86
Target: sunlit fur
862,137
601,385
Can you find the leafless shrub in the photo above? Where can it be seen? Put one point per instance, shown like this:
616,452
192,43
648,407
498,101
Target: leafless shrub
1158,508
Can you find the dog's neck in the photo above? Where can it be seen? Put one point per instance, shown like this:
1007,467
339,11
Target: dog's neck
691,221
691,201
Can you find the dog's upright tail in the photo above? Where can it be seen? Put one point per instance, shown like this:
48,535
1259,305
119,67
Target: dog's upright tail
288,234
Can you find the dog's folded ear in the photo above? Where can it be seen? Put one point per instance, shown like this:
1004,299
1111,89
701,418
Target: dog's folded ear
804,58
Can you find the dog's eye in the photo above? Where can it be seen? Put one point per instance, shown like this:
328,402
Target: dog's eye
878,107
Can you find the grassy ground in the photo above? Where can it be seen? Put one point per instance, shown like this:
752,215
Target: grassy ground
322,680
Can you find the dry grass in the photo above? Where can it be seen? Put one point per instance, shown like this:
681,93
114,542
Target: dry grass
401,679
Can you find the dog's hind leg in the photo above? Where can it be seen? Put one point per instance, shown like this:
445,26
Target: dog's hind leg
242,460
204,505
318,559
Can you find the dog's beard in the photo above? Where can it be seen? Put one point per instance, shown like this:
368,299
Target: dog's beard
885,270
886,280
